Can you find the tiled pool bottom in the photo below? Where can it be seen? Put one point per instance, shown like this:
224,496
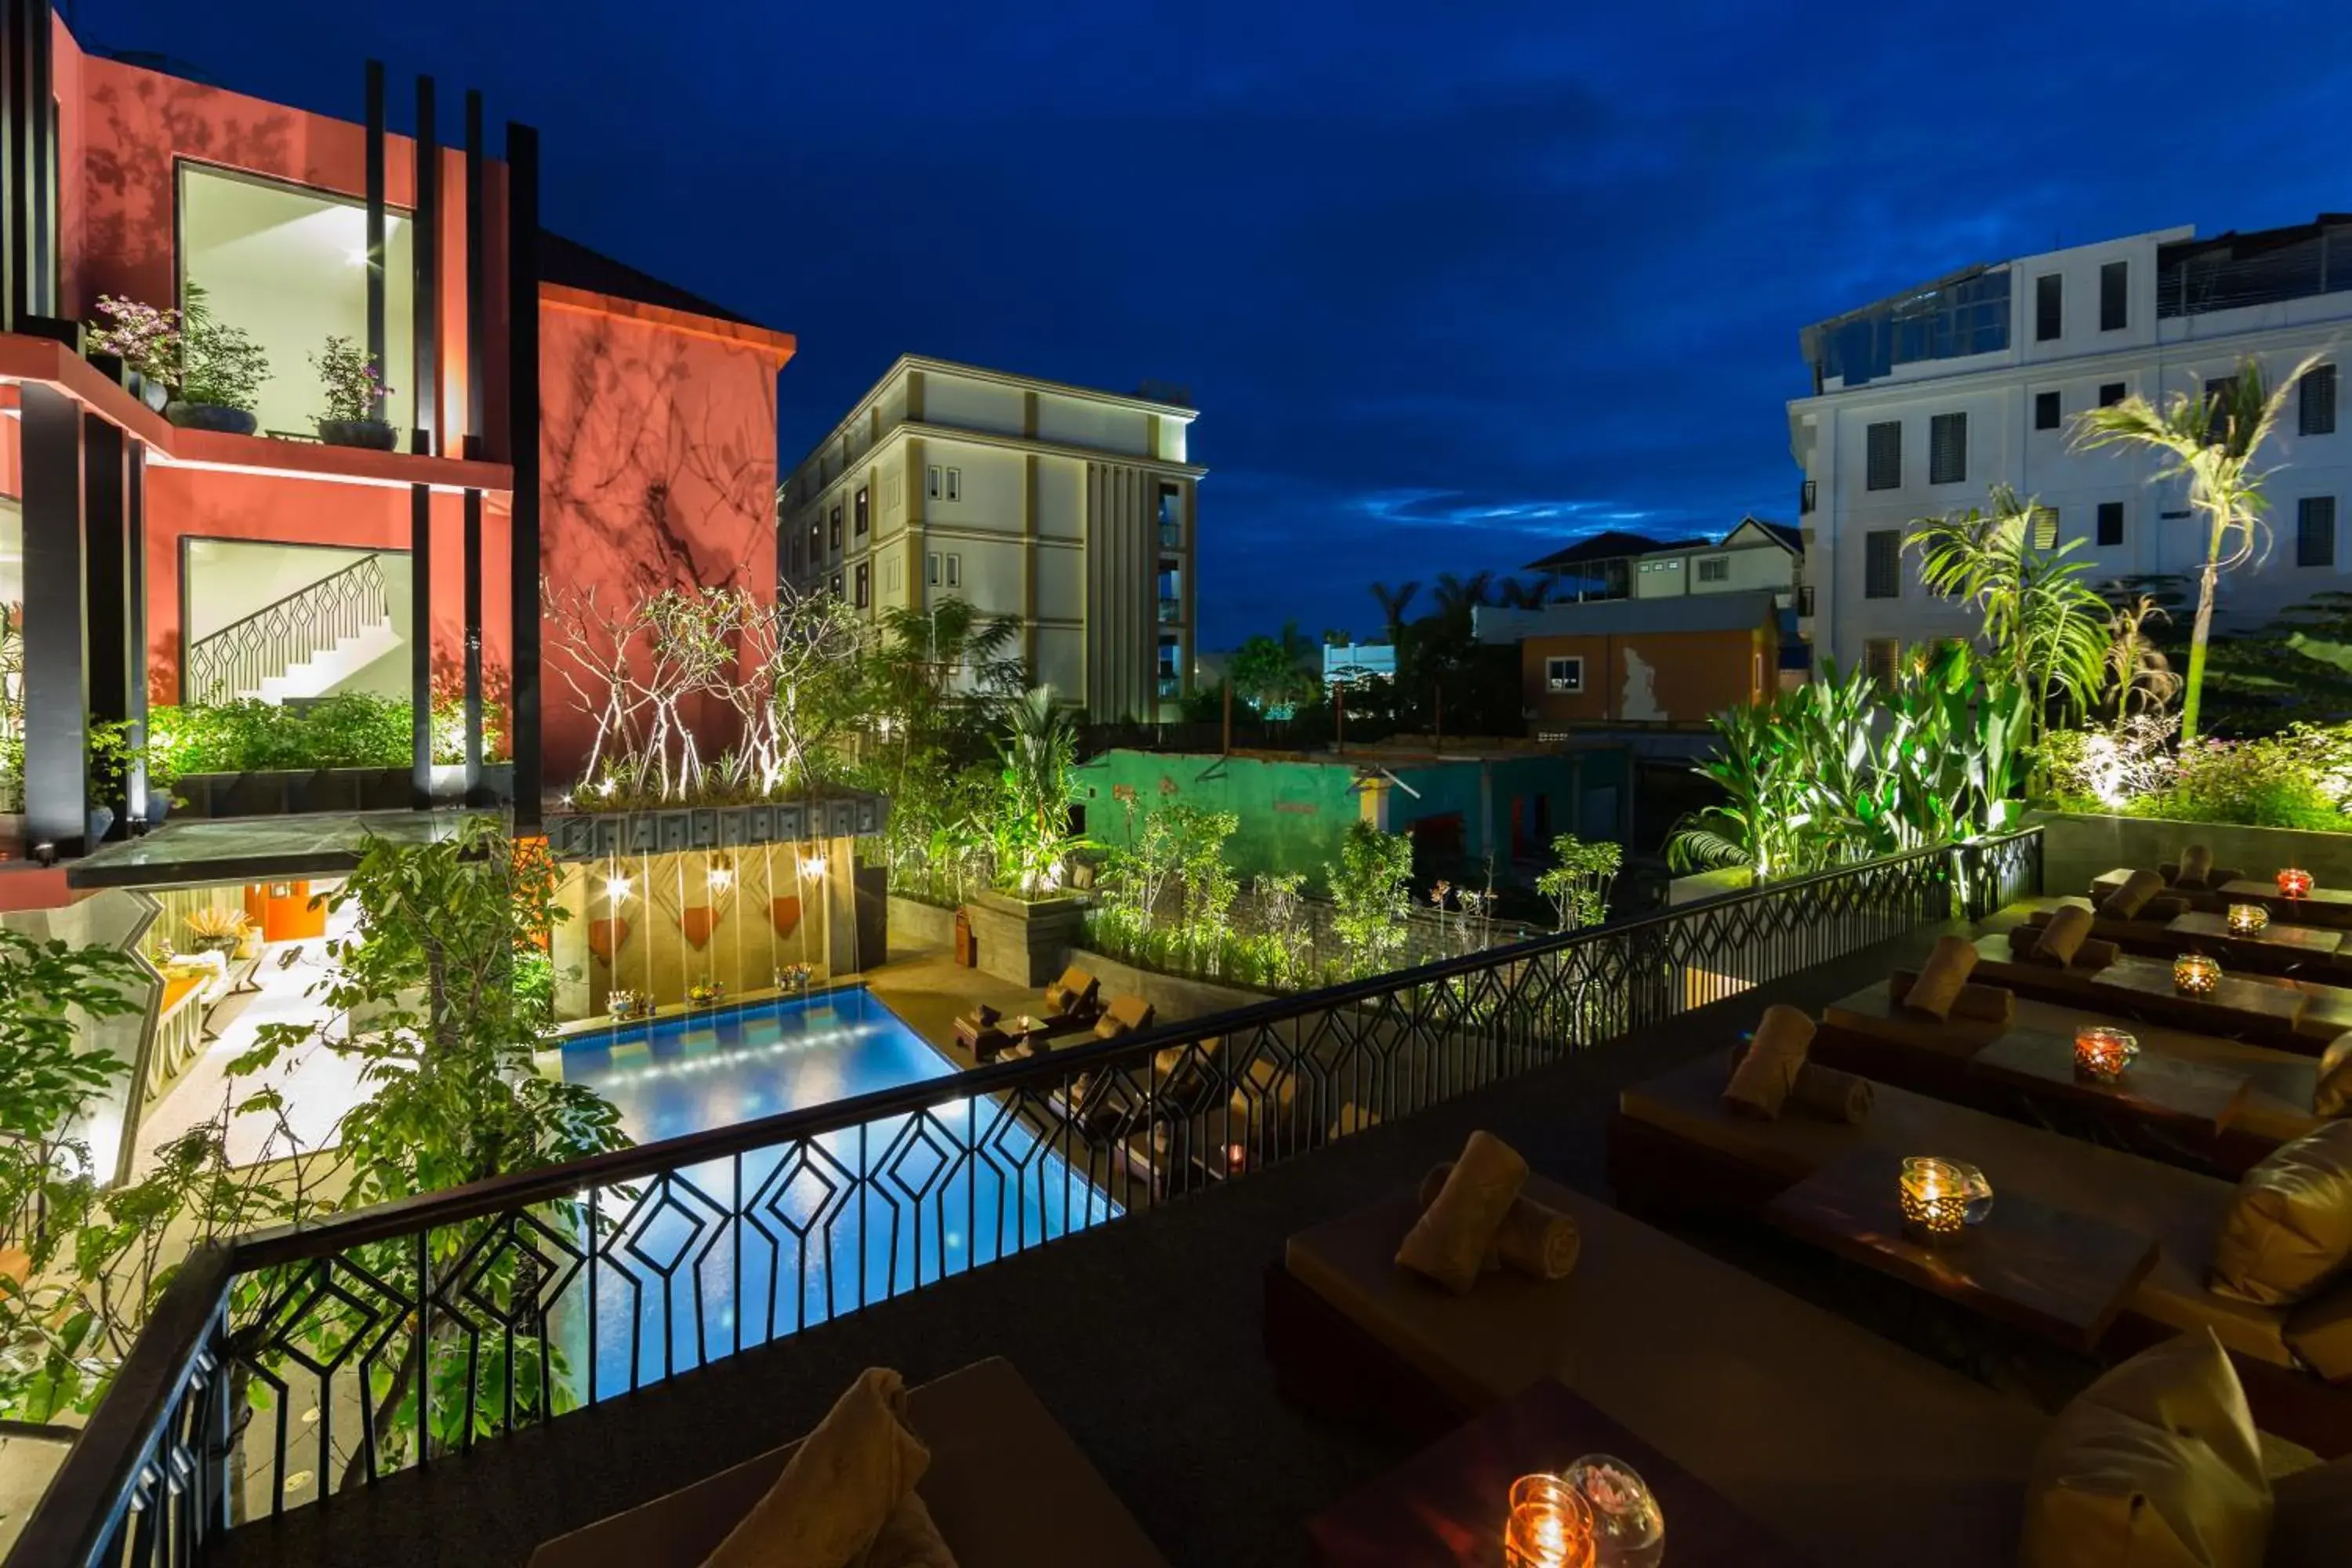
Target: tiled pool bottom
847,1218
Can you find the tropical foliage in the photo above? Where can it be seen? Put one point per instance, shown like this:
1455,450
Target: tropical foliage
1037,749
1371,894
1838,770
1578,883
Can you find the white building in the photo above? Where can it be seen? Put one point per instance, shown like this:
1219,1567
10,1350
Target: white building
1925,401
1071,509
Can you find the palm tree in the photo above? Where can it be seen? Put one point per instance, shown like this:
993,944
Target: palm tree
2041,620
1393,603
2210,441
1524,593
1457,596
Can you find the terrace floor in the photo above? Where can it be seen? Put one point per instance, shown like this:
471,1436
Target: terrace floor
1143,1337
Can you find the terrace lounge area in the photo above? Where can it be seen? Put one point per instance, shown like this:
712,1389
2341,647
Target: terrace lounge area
1195,1355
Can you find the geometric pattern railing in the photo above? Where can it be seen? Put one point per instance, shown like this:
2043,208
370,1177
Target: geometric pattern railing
234,661
298,1363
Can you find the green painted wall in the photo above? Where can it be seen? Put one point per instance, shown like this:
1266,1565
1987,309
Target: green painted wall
1294,814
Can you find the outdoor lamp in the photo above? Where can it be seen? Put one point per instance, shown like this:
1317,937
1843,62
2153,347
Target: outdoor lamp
1934,1195
2101,1052
2294,883
811,867
617,889
1549,1525
2249,920
2194,974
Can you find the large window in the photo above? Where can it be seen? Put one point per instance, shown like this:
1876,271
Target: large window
2046,411
2049,307
1947,448
1884,454
2115,296
2316,413
863,511
288,266
1564,675
2111,523
2315,530
1881,564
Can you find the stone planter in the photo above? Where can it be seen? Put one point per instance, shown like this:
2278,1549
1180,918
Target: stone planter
376,434
280,792
210,417
2077,846
572,834
1026,940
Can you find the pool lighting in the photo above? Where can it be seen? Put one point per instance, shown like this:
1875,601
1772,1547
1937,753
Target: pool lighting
617,889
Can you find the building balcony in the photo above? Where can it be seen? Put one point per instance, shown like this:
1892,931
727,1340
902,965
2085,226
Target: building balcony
1170,611
1158,1245
1172,535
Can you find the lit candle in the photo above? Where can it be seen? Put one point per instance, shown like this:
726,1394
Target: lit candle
1935,1196
1549,1525
2194,974
2103,1052
2294,883
2249,920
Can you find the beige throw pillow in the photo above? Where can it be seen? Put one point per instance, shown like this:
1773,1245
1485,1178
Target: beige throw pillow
1761,1083
1941,978
2288,1233
840,1487
2157,1465
2331,1095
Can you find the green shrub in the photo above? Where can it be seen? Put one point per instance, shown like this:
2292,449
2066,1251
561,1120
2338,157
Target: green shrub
352,730
2275,782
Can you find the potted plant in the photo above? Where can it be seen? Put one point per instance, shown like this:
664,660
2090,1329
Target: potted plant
220,373
707,993
146,340
215,930
355,389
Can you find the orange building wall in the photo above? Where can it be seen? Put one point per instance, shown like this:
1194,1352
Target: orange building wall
658,445
1693,674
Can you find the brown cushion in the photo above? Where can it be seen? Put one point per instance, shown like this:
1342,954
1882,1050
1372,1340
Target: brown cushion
1766,1070
1940,978
2311,1518
1976,1004
2157,1465
840,1486
2331,1093
2164,911
1827,1093
2127,901
2289,1230
2057,942
2196,868
1455,1232
1538,1241
2319,1332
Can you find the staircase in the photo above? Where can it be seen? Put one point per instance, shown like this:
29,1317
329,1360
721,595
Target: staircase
304,645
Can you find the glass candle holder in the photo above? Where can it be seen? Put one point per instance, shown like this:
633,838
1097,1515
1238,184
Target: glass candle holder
2195,974
2249,920
2294,883
1935,1196
1628,1528
1549,1525
2101,1052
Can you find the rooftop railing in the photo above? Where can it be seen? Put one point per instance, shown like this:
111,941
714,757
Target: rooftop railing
296,1365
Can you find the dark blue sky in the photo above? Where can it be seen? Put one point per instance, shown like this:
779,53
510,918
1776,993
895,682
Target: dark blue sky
1449,283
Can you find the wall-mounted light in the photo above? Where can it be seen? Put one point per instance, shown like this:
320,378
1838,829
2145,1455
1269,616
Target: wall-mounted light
722,875
617,889
811,867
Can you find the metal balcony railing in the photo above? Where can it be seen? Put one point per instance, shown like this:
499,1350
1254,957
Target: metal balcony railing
234,661
535,1294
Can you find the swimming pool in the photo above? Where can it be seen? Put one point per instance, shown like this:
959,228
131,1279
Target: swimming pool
681,1280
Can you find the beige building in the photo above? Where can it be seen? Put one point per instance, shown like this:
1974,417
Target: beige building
1071,509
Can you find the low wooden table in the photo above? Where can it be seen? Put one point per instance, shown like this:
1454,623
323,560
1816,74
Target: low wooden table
2055,1273
2239,1001
2321,906
2159,1087
2317,942
1444,1508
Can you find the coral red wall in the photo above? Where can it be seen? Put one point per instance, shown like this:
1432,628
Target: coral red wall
658,442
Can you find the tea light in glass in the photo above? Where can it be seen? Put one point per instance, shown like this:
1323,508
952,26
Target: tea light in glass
2103,1052
2294,883
2195,974
1935,1195
1628,1527
2249,920
1549,1525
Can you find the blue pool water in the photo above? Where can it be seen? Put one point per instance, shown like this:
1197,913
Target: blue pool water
680,1279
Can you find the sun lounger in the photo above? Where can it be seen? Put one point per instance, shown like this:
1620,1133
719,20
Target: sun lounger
2155,938
1845,1445
1124,1014
2291,1015
1074,995
1675,1146
1006,1487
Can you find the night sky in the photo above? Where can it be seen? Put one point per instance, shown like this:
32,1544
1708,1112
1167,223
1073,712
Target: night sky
1450,284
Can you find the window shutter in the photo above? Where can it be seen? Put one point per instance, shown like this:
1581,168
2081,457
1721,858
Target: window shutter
2318,410
2314,531
1886,456
1947,449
